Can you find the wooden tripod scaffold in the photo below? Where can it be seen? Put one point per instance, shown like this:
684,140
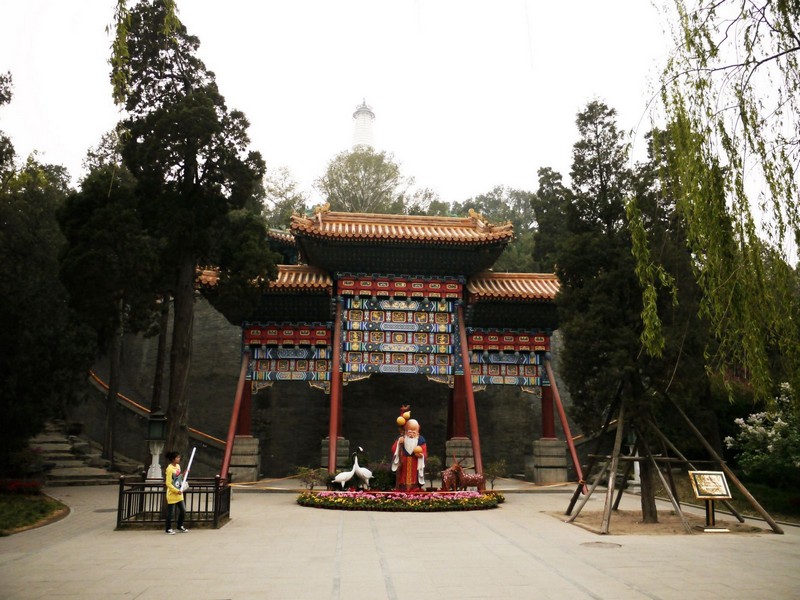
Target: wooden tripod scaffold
643,453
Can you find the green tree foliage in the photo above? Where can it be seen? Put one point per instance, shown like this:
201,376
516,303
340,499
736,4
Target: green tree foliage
364,181
437,208
426,201
6,147
108,257
109,266
549,207
600,302
282,198
198,183
500,205
732,96
45,355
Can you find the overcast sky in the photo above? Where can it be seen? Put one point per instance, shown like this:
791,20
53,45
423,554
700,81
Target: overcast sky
467,95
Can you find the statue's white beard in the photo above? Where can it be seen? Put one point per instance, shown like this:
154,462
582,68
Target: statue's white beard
410,443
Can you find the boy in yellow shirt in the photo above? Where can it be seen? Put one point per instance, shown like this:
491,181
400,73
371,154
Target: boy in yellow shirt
174,481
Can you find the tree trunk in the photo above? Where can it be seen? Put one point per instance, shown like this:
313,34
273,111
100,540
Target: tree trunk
114,352
649,511
648,497
181,357
158,377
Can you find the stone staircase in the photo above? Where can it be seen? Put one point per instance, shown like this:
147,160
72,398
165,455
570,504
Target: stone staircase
74,460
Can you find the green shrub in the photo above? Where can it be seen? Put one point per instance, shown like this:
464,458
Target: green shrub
383,478
494,470
767,445
311,477
433,467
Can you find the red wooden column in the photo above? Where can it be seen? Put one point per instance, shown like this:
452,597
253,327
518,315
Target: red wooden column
237,405
457,409
548,416
336,388
473,415
340,420
244,424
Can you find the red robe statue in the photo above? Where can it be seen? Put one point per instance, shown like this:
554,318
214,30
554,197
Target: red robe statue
409,467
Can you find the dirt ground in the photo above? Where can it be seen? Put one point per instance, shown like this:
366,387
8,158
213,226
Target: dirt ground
629,522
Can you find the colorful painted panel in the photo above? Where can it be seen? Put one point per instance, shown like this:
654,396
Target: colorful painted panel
288,351
507,341
414,336
392,368
298,352
505,380
282,366
290,376
426,305
502,358
398,287
510,358
299,334
384,326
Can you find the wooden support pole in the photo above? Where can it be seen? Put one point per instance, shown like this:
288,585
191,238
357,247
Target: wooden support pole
731,475
677,452
470,394
612,473
581,484
588,494
563,416
336,377
628,468
237,403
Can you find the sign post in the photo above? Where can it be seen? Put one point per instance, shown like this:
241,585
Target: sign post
710,486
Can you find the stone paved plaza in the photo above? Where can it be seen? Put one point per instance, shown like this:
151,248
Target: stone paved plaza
274,549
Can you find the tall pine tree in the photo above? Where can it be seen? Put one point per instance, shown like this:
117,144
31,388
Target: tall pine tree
199,186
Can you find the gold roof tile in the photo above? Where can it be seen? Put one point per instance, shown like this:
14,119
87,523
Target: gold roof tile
290,278
296,277
403,228
513,286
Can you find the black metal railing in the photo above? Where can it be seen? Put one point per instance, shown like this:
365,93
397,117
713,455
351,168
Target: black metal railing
142,504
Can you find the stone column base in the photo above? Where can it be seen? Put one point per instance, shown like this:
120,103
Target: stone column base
459,449
343,460
245,459
549,464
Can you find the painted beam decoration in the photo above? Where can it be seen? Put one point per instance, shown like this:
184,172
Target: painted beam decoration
288,352
395,325
399,325
399,287
507,357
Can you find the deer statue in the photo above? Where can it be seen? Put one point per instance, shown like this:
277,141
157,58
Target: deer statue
450,479
466,480
454,478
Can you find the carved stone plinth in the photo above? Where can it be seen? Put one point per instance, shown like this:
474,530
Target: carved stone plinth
460,449
549,461
245,459
342,453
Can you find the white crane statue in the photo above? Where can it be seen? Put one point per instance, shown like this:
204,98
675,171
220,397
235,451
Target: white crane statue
362,473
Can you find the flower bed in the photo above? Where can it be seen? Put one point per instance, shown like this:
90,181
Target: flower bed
401,501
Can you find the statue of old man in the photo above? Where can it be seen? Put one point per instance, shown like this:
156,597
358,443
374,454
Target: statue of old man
409,452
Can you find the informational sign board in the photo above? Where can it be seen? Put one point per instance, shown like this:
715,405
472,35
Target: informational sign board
710,485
